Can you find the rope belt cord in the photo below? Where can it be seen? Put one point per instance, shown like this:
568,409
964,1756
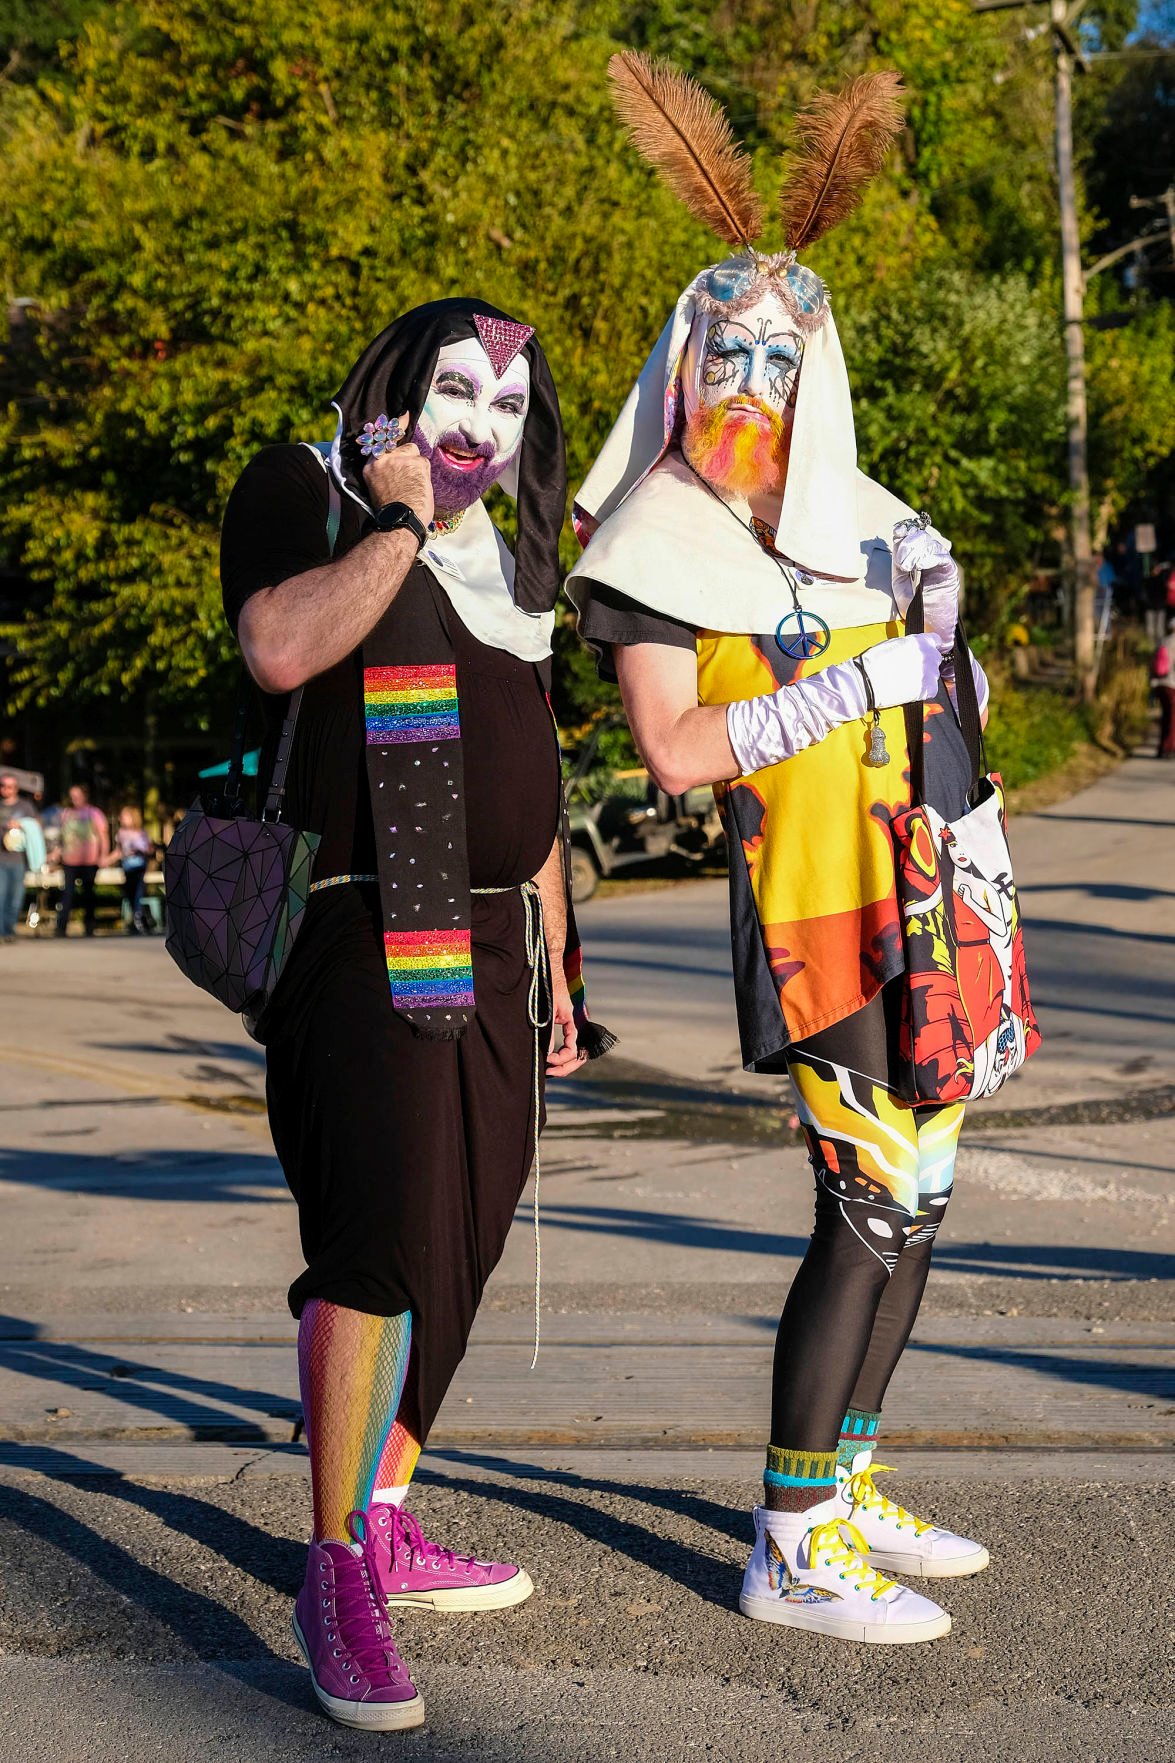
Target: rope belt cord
538,960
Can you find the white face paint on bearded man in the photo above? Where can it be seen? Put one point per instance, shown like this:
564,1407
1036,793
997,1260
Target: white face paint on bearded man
471,425
739,380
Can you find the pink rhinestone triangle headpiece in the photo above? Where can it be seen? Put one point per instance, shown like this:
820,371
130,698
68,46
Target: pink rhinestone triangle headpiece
501,338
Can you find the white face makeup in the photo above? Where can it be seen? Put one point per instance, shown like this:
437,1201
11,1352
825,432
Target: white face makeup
472,421
756,355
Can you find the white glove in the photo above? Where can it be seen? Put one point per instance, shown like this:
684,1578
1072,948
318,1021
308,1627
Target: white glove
779,724
922,552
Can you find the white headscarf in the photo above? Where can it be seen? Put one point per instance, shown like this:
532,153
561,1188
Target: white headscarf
831,521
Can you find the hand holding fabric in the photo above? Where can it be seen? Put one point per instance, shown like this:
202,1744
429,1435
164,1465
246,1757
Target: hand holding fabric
402,474
778,725
923,552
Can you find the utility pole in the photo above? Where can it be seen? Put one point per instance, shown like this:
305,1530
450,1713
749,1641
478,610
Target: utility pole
1073,294
1067,53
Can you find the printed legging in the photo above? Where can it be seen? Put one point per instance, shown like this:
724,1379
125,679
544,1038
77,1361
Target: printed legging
884,1173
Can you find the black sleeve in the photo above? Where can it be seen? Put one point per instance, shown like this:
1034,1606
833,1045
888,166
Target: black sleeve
274,525
608,619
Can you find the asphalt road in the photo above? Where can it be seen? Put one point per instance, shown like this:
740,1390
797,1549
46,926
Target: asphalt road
1096,877
150,1621
153,1507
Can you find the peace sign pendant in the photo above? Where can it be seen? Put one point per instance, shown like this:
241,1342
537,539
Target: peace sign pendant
809,637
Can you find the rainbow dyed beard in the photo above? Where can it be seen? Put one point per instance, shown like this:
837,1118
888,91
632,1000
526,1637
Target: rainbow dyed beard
736,452
452,487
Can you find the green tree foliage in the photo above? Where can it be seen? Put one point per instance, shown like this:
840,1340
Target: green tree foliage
207,211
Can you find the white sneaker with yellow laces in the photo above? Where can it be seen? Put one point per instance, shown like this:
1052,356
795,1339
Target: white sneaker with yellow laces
807,1570
896,1541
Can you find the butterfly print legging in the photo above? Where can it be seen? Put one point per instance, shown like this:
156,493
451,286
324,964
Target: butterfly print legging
884,1172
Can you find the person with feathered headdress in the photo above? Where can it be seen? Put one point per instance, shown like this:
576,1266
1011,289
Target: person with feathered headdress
748,585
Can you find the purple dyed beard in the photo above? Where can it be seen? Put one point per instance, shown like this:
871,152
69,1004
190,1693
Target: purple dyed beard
451,489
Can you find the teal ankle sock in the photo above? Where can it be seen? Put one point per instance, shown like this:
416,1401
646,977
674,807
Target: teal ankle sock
858,1432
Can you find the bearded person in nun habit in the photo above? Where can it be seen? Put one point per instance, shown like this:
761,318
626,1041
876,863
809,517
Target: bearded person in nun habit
747,585
407,1039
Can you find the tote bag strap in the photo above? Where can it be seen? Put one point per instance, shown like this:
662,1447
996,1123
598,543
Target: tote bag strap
966,698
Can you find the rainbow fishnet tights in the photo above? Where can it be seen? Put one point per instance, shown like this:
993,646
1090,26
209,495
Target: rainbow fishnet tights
351,1368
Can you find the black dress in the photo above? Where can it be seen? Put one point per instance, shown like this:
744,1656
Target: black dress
407,1157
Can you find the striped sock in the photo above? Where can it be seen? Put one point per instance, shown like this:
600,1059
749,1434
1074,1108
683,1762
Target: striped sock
795,1480
395,1467
858,1432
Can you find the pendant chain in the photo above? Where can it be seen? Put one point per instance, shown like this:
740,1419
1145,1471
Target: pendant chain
798,644
782,567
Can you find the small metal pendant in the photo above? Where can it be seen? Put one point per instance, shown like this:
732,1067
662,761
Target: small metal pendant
878,753
802,635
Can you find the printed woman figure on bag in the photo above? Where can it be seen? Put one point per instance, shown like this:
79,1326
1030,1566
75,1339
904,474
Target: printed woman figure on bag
778,624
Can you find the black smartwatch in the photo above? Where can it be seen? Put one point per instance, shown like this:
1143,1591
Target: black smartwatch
393,515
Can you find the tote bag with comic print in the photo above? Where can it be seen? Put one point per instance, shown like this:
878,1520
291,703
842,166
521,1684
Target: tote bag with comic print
968,1021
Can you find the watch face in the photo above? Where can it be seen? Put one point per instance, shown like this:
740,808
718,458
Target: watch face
397,515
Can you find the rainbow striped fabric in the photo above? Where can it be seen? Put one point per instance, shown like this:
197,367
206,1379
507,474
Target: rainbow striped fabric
351,1368
417,703
430,969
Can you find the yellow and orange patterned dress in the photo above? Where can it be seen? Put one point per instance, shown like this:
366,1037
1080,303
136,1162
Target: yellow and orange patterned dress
814,911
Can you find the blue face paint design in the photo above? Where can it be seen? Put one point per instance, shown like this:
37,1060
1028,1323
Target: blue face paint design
760,360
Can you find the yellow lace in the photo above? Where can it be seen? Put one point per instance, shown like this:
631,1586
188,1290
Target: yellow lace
865,1494
838,1543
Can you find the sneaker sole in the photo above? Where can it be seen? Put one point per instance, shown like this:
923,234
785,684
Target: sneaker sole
366,1716
482,1597
915,1566
878,1634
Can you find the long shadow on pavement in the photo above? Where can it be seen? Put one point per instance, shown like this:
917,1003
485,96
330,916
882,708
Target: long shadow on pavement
207,1630
170,1173
157,1390
716,1582
727,1521
1020,1260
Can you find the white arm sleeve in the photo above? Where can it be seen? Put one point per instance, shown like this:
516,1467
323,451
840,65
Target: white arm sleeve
779,724
764,730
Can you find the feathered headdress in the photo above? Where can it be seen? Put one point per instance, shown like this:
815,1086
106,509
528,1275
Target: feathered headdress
841,143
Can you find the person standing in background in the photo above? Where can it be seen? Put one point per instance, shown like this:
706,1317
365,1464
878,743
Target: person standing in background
14,809
133,849
84,838
1163,676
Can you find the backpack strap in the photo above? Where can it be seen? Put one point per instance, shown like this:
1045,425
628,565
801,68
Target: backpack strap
285,741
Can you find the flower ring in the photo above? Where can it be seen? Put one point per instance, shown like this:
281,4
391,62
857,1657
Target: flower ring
378,437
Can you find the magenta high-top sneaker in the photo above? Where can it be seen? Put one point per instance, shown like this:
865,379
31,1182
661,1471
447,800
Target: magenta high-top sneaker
341,1625
415,1571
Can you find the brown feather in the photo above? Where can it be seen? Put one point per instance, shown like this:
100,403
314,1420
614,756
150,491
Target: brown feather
843,138
686,135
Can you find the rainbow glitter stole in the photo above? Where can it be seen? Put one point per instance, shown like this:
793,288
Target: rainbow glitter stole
416,777
428,969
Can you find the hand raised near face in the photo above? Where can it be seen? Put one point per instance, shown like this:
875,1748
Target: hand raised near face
401,475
